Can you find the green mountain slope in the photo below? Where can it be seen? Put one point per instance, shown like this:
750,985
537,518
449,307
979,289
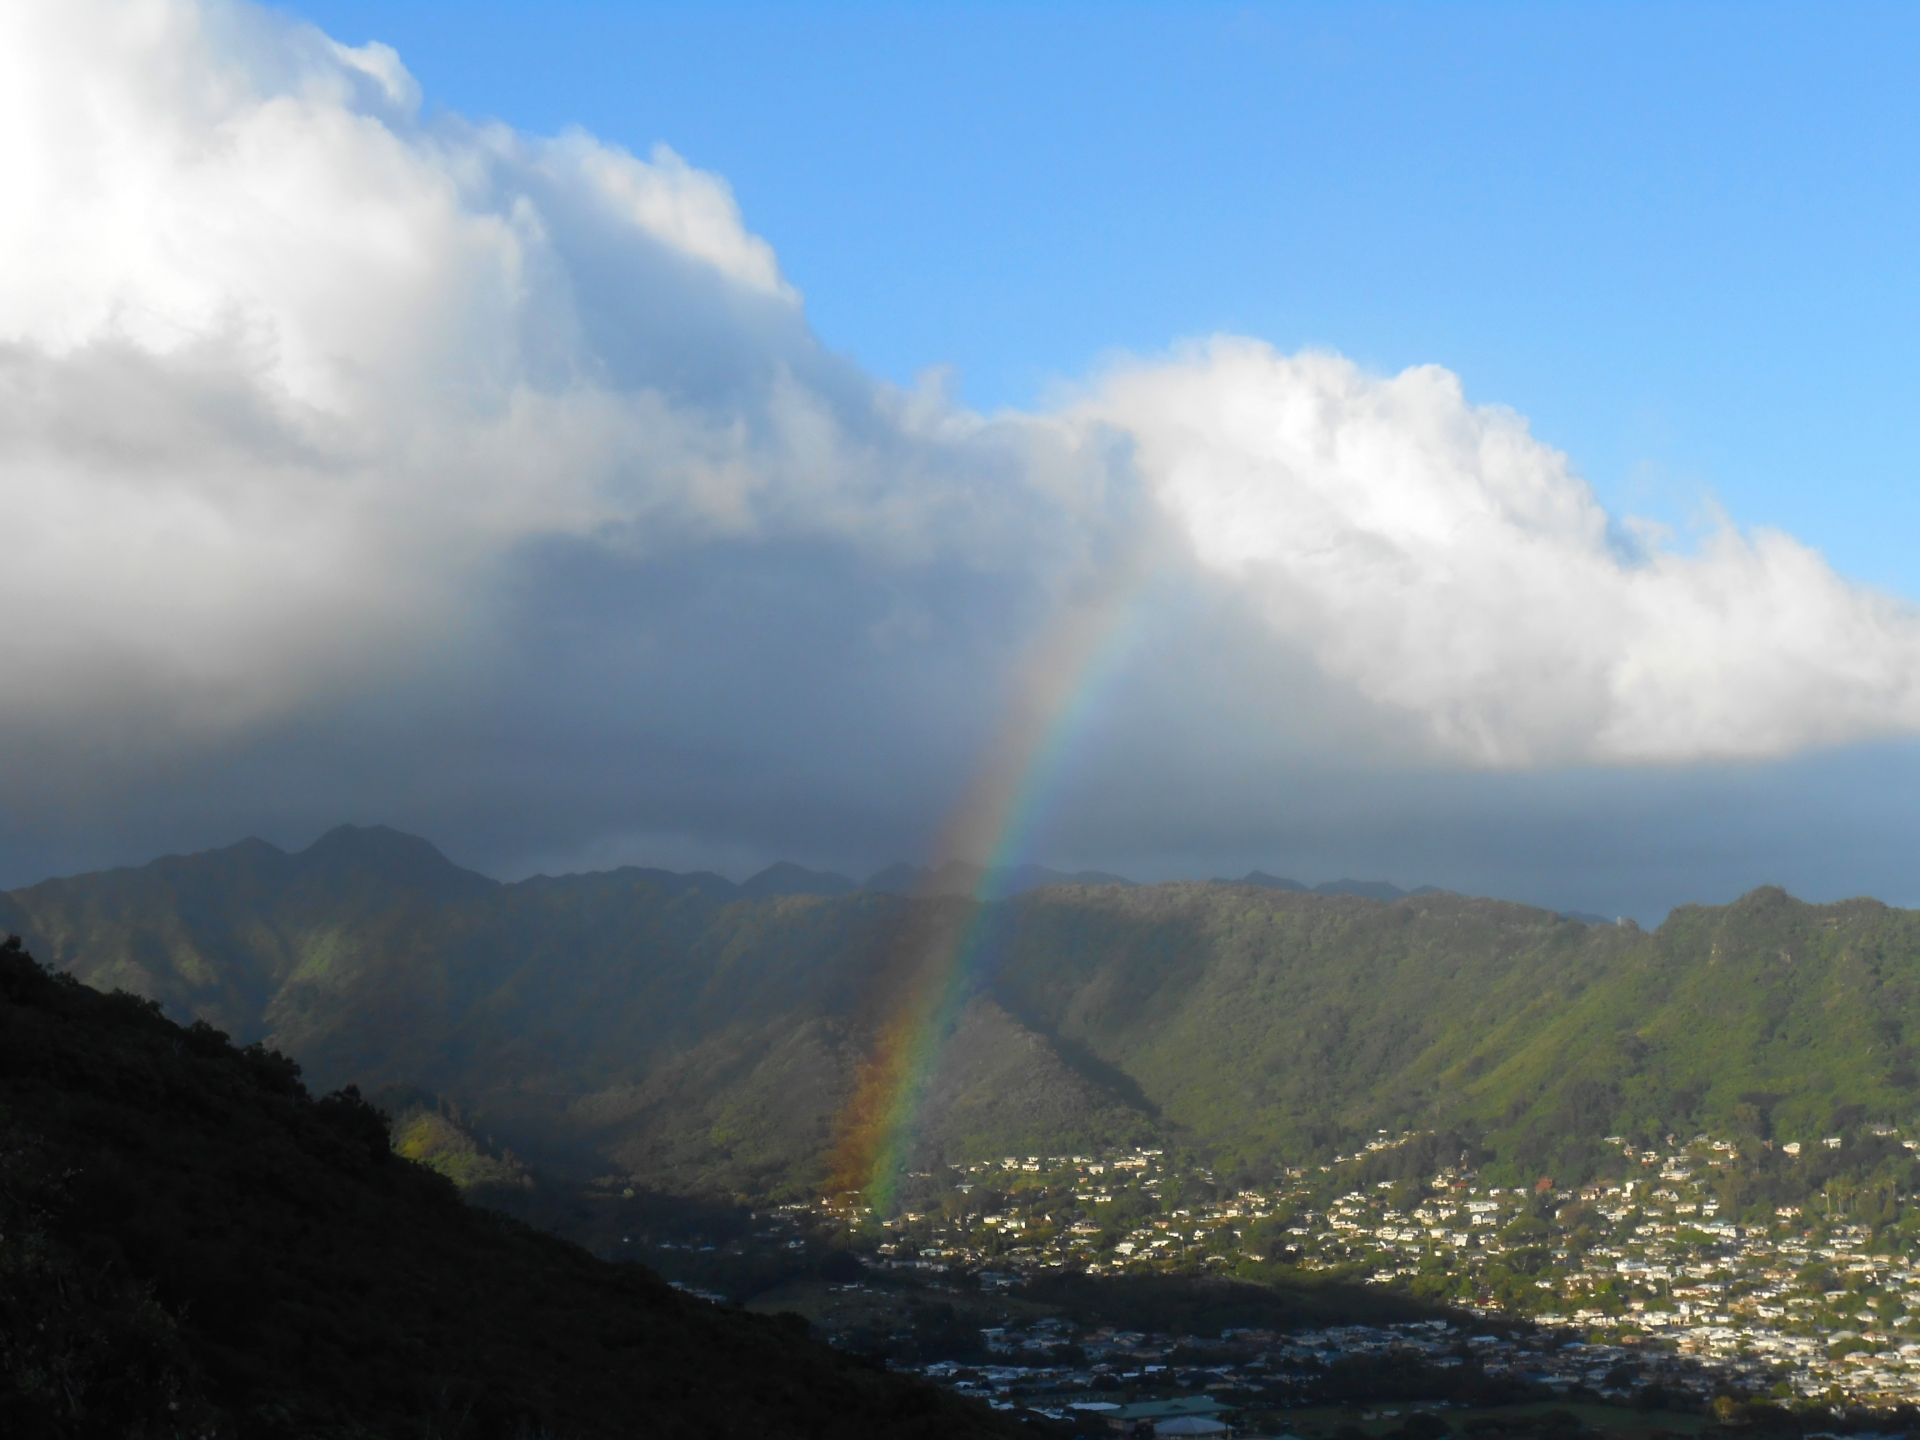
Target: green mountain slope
1288,1025
674,1029
191,1245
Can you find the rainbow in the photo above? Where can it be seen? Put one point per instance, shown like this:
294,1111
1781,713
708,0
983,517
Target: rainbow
1003,811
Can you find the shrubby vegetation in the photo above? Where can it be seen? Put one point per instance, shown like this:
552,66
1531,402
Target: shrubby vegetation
665,1028
191,1244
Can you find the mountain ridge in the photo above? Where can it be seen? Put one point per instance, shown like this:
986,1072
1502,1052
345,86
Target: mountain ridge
346,848
706,1041
1366,889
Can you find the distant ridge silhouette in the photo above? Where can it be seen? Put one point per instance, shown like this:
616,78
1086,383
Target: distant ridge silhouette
1366,889
1586,917
783,877
957,877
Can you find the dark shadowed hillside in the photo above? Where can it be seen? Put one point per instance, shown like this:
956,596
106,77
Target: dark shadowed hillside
678,1030
191,1245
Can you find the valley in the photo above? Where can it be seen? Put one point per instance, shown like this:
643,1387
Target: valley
1368,1111
703,1042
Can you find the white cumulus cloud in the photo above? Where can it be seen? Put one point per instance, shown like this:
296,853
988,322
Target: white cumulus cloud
1448,565
284,371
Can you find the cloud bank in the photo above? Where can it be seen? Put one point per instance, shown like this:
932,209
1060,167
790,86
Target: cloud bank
1448,565
354,456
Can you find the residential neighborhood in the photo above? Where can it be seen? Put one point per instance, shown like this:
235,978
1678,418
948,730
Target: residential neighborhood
1259,1370
1808,1304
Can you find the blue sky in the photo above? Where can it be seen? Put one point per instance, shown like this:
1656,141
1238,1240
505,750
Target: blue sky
1678,238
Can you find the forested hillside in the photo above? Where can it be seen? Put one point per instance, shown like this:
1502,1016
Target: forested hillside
697,1038
191,1245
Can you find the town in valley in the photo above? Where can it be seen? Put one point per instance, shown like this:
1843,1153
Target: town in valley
1640,1290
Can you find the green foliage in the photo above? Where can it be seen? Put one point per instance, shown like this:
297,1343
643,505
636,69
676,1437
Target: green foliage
1527,1227
433,1132
193,1245
663,1028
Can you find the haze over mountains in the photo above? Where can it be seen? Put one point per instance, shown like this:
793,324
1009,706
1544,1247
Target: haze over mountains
957,877
700,1038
